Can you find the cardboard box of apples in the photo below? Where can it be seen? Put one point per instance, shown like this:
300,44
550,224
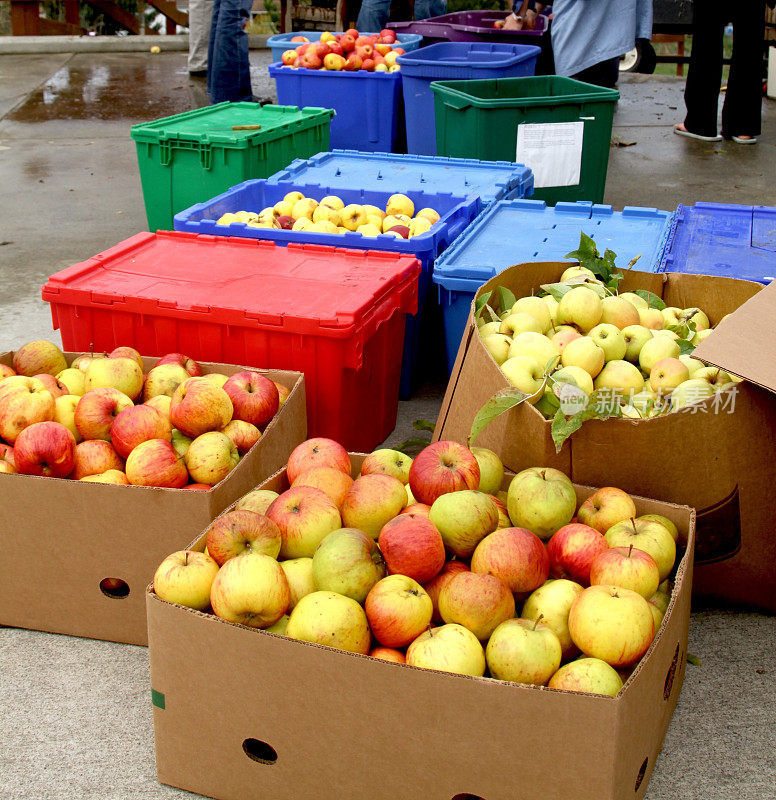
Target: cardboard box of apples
678,438
99,457
350,51
509,609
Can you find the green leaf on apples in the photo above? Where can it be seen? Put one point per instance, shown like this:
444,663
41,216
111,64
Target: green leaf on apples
505,298
411,447
424,425
653,301
557,290
599,406
480,303
686,347
502,401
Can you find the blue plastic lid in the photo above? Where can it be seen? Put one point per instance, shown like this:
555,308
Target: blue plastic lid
730,241
471,55
491,180
517,231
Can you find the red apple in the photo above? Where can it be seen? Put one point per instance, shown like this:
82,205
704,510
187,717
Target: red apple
398,610
138,424
55,387
388,34
514,555
335,48
243,434
353,62
305,517
128,352
94,457
242,531
198,487
572,550
254,397
364,50
321,49
332,482
38,356
443,467
299,39
435,585
347,43
6,371
478,602
417,508
368,64
388,654
211,457
198,406
371,502
288,57
353,33
627,567
412,546
45,448
96,411
319,452
184,361
605,508
286,223
21,406
155,463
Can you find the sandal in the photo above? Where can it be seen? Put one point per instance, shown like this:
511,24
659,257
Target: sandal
680,130
749,140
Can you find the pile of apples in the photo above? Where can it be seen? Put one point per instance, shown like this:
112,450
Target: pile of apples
102,420
330,215
586,343
349,51
428,562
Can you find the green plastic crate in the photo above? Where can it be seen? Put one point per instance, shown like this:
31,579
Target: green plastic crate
482,119
191,157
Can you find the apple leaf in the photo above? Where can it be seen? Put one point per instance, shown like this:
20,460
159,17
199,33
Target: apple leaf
686,348
412,446
505,298
557,290
653,301
599,406
694,660
500,402
480,303
424,425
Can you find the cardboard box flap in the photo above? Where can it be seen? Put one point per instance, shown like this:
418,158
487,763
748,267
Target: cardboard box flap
743,343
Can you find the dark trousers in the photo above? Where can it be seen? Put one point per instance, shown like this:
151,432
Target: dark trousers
229,73
603,74
742,108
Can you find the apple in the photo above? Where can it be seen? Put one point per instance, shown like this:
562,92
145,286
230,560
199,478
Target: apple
656,349
353,61
318,452
180,442
572,549
198,407
96,411
449,648
692,364
82,362
417,226
526,375
536,346
647,535
64,413
619,311
651,318
398,610
186,578
330,619
535,307
551,603
330,481
691,391
123,374
112,476
542,500
612,624
53,385
95,456
216,378
478,602
23,405
491,470
242,531
635,337
621,378
605,508
497,344
443,467
388,462
311,60
670,527
211,457
563,336
667,374
160,403
588,675
514,555
6,372
371,502
463,519
353,217
138,424
396,220
255,399
584,353
388,654
503,515
580,307
258,500
251,590
305,517
714,376
661,599
327,213
288,57
299,574
45,448
72,380
610,339
38,357
523,651
164,379
515,324
348,562
411,545
155,463
127,352
627,567
243,434
333,61
435,585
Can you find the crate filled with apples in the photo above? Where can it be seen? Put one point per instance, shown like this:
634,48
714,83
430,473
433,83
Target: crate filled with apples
510,606
350,51
106,418
432,563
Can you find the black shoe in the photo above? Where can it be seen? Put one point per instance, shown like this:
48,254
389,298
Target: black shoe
198,73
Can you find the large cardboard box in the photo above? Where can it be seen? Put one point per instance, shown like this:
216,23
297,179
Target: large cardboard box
716,456
62,538
286,720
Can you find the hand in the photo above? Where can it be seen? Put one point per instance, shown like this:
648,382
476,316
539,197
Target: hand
512,24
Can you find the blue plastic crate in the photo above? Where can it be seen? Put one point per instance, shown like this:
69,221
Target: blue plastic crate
282,41
366,103
723,240
518,231
423,345
453,61
490,180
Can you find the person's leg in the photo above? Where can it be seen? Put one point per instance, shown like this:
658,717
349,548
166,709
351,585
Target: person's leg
229,65
373,15
200,13
212,44
430,8
604,74
742,109
704,76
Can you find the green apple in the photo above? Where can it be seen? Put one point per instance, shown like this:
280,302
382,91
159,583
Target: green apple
634,299
651,318
610,339
535,346
620,376
716,378
552,306
491,470
552,602
647,535
488,328
692,364
576,376
619,311
588,675
580,307
526,375
667,374
655,349
670,334
701,335
584,353
635,337
644,401
498,346
523,651
672,529
463,519
537,308
348,562
574,273
515,324
542,500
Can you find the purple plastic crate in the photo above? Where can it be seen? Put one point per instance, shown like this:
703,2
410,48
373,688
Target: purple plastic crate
470,26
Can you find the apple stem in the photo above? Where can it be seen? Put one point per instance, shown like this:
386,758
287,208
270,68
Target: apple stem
630,551
186,559
633,522
538,620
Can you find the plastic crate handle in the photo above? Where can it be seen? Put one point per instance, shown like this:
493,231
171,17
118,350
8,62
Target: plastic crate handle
459,103
206,156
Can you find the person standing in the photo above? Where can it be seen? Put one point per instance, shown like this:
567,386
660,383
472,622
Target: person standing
200,12
229,71
374,14
742,109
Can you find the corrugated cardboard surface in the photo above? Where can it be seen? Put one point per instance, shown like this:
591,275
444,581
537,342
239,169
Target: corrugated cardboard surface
348,726
63,537
715,458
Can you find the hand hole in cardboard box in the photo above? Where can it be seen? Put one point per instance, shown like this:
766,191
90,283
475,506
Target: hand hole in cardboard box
115,588
467,797
669,684
640,776
259,751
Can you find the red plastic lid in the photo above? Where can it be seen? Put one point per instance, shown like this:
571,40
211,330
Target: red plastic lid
301,288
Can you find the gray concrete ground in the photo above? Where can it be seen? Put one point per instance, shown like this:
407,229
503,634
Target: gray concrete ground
75,714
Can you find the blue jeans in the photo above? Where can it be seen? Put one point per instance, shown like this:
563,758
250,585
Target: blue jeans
229,72
374,14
